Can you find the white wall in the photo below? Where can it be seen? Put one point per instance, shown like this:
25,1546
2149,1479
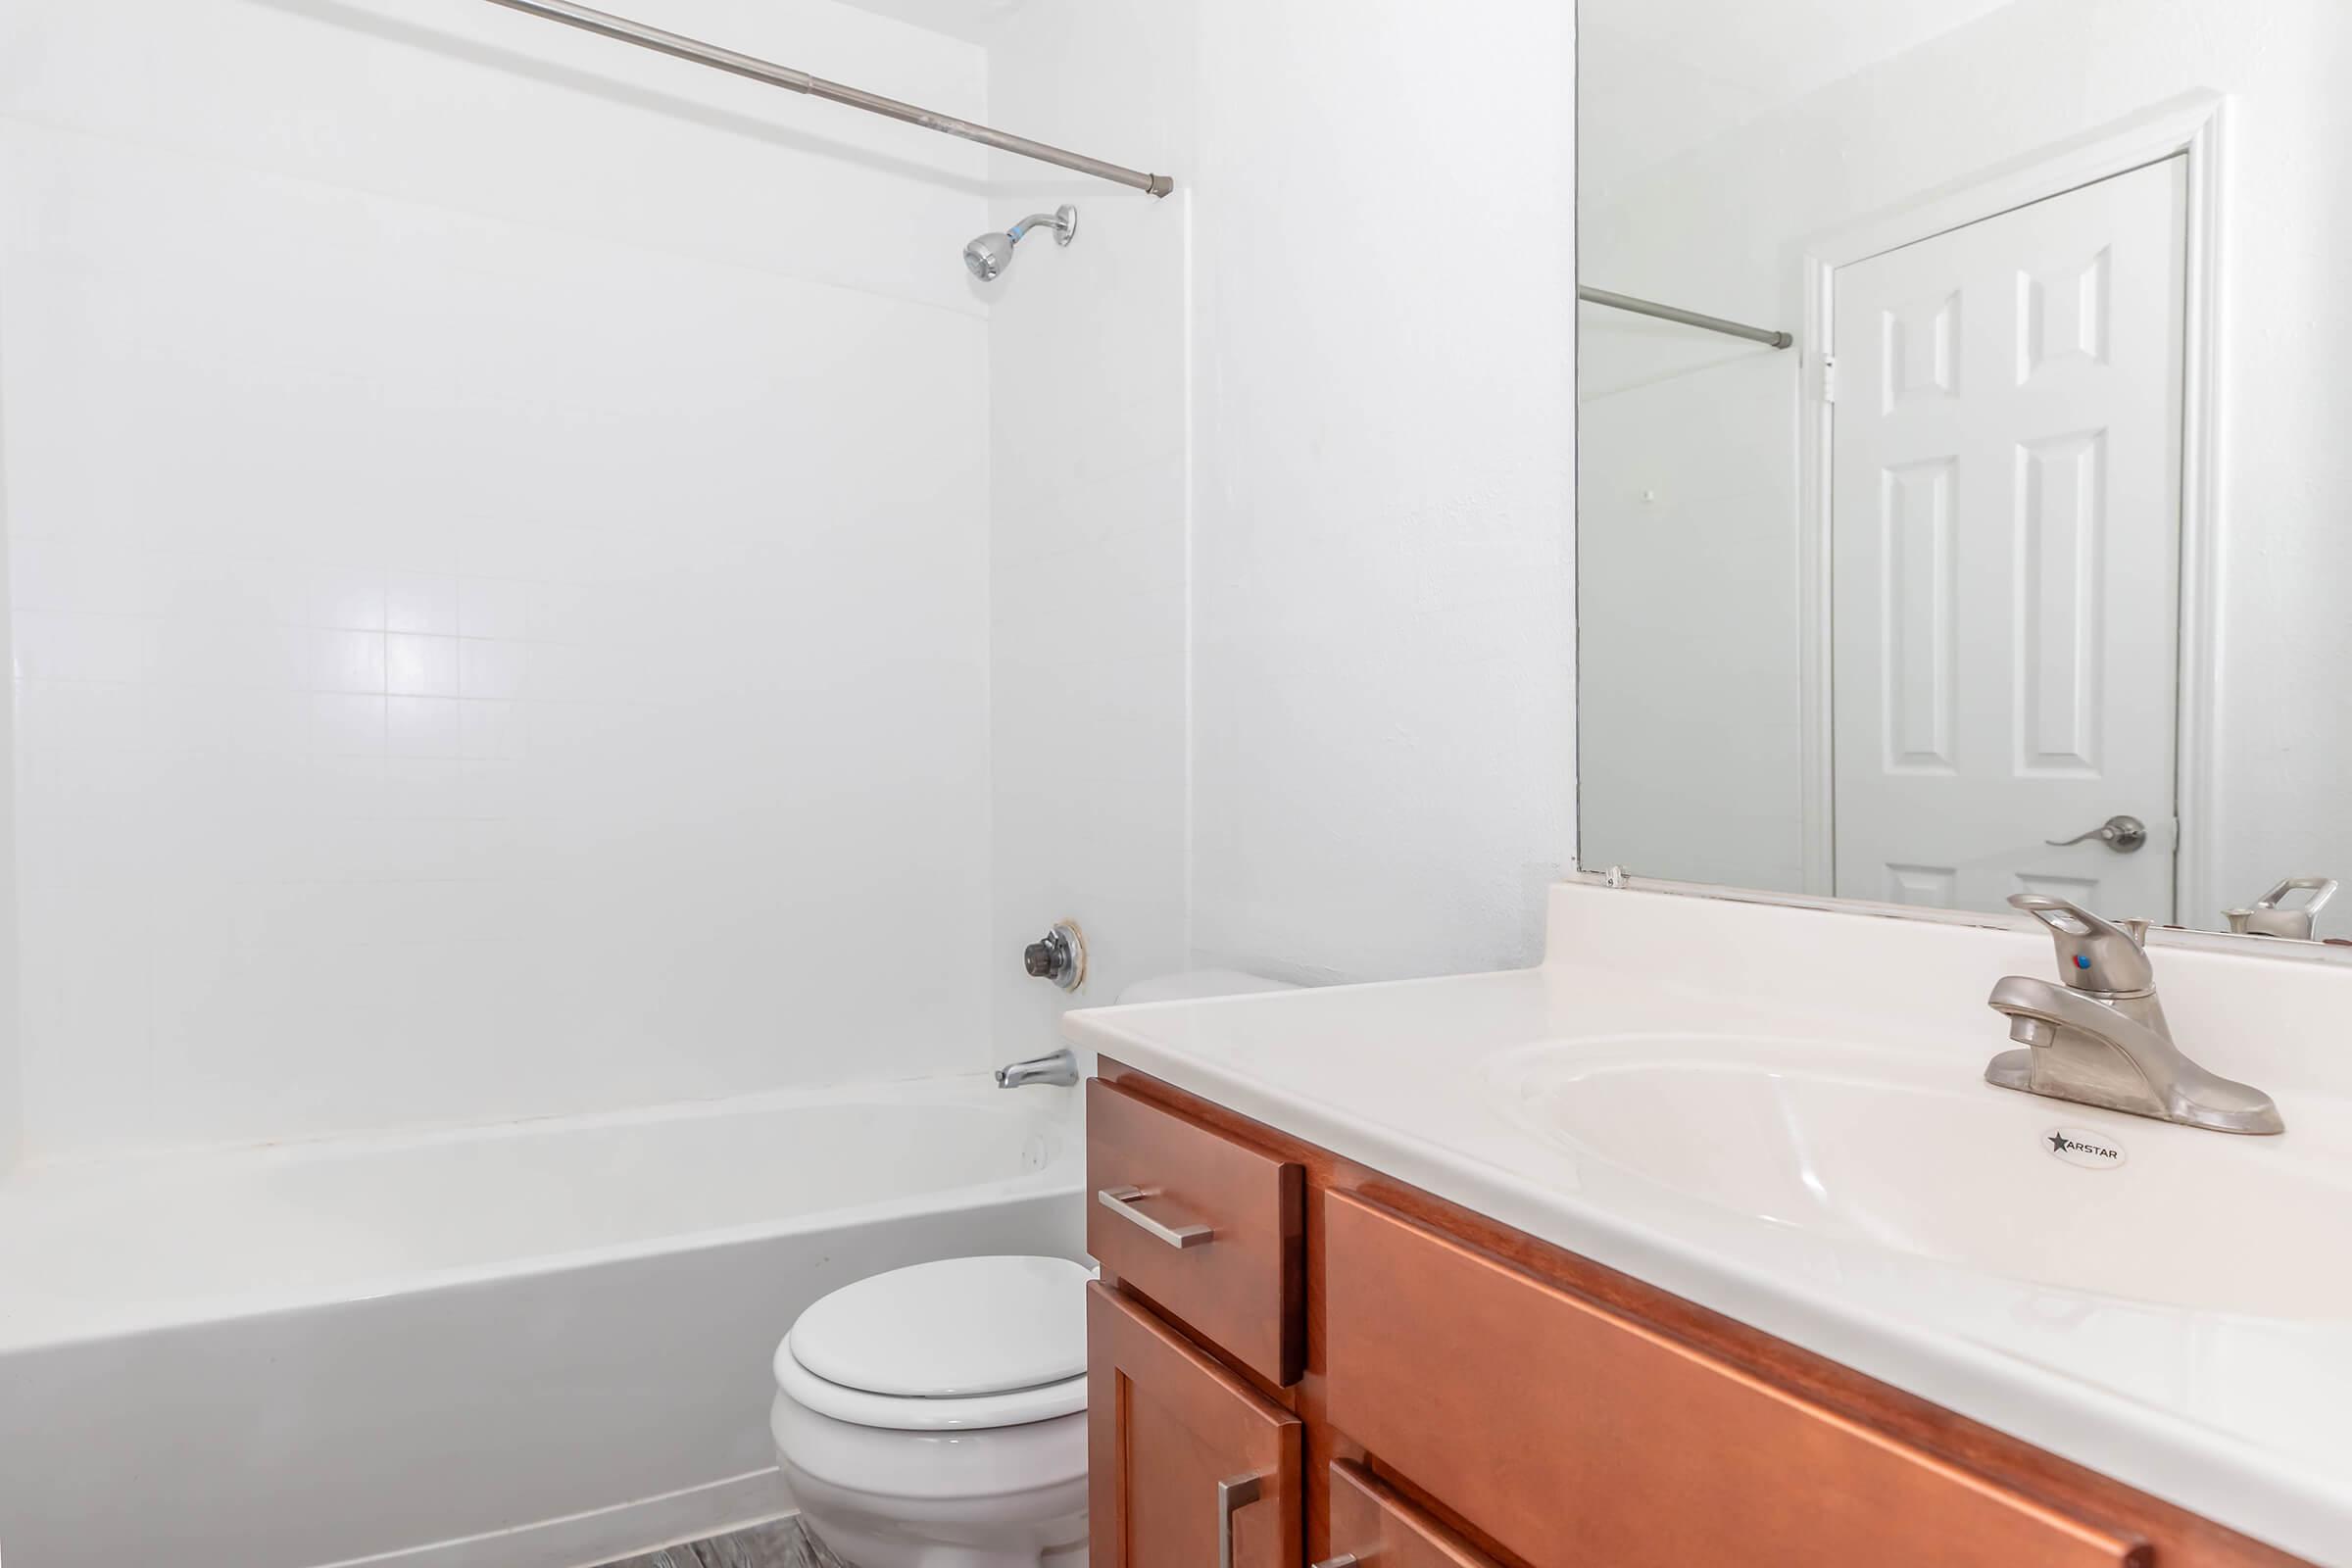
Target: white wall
1342,350
1383,415
11,1097
1688,763
1087,365
1724,230
500,572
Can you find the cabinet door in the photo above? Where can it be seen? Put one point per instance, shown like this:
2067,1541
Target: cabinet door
1371,1527
1189,1465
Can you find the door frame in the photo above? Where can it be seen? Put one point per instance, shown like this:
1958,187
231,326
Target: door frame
2193,125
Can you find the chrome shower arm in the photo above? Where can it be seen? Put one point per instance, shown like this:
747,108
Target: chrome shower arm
1065,223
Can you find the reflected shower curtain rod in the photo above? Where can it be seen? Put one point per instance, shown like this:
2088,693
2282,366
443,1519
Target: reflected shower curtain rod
1668,313
800,81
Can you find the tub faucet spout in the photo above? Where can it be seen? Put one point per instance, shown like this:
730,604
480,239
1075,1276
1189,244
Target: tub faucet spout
1060,1069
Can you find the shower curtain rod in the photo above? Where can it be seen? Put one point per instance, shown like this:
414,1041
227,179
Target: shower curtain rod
1668,313
800,81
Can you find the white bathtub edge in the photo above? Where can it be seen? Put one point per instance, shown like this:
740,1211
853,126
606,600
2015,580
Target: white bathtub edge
605,1535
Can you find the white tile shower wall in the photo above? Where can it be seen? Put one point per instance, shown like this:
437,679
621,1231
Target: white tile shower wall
1087,369
1384,406
1371,502
499,610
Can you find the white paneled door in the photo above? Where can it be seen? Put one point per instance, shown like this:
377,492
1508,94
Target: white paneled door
2005,553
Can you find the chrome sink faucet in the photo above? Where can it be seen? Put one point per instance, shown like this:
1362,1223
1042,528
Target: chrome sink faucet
2100,1037
2270,916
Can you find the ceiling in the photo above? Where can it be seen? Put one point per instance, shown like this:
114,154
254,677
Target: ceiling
1658,77
1655,78
958,19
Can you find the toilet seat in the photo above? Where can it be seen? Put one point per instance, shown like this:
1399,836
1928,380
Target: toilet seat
961,1344
903,1414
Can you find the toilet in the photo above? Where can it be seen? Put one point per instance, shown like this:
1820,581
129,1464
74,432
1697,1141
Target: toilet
935,1416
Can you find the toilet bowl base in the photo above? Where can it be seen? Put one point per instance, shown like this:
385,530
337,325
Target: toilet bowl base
857,1550
1009,1498
947,1538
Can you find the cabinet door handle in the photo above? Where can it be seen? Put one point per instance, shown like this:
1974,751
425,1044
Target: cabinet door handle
1233,1495
1345,1559
1123,1201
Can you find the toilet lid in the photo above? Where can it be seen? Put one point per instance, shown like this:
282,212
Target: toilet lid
896,1412
950,1330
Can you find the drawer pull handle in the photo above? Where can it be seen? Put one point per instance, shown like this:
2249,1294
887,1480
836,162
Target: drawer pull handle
1345,1559
1232,1497
1123,1201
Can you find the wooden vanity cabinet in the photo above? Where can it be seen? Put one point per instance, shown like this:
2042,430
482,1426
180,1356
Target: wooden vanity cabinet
1466,1396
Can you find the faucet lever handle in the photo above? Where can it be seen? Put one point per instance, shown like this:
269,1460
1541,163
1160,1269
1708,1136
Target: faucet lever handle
2270,918
2092,953
2321,889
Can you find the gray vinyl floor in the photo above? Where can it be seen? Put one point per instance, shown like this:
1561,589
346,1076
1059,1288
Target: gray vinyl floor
782,1544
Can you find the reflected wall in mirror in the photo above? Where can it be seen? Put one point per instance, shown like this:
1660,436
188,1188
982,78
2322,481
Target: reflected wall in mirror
2023,565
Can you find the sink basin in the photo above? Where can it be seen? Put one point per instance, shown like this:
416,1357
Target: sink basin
1908,1150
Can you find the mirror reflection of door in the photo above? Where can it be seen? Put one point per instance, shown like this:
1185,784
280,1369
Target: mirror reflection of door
2005,554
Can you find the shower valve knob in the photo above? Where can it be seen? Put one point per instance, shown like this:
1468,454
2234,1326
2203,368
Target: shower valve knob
1059,955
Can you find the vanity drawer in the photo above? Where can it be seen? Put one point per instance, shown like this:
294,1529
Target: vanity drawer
1206,1228
1574,1435
1375,1528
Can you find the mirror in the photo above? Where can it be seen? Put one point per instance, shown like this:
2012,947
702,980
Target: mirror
1963,473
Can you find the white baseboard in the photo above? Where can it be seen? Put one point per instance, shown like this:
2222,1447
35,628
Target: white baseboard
604,1535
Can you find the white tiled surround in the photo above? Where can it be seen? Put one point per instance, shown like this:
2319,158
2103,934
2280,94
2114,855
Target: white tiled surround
1369,313
542,585
482,646
1090,449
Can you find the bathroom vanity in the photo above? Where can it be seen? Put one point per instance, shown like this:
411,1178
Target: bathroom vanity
1602,1263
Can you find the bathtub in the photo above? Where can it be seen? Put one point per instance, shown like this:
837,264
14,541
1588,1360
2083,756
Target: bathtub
534,1346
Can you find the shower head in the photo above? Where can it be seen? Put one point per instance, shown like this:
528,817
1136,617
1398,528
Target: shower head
987,257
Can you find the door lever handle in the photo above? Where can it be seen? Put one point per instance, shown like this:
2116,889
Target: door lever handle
2121,834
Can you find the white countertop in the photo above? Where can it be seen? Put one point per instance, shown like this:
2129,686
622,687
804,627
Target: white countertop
2237,1414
